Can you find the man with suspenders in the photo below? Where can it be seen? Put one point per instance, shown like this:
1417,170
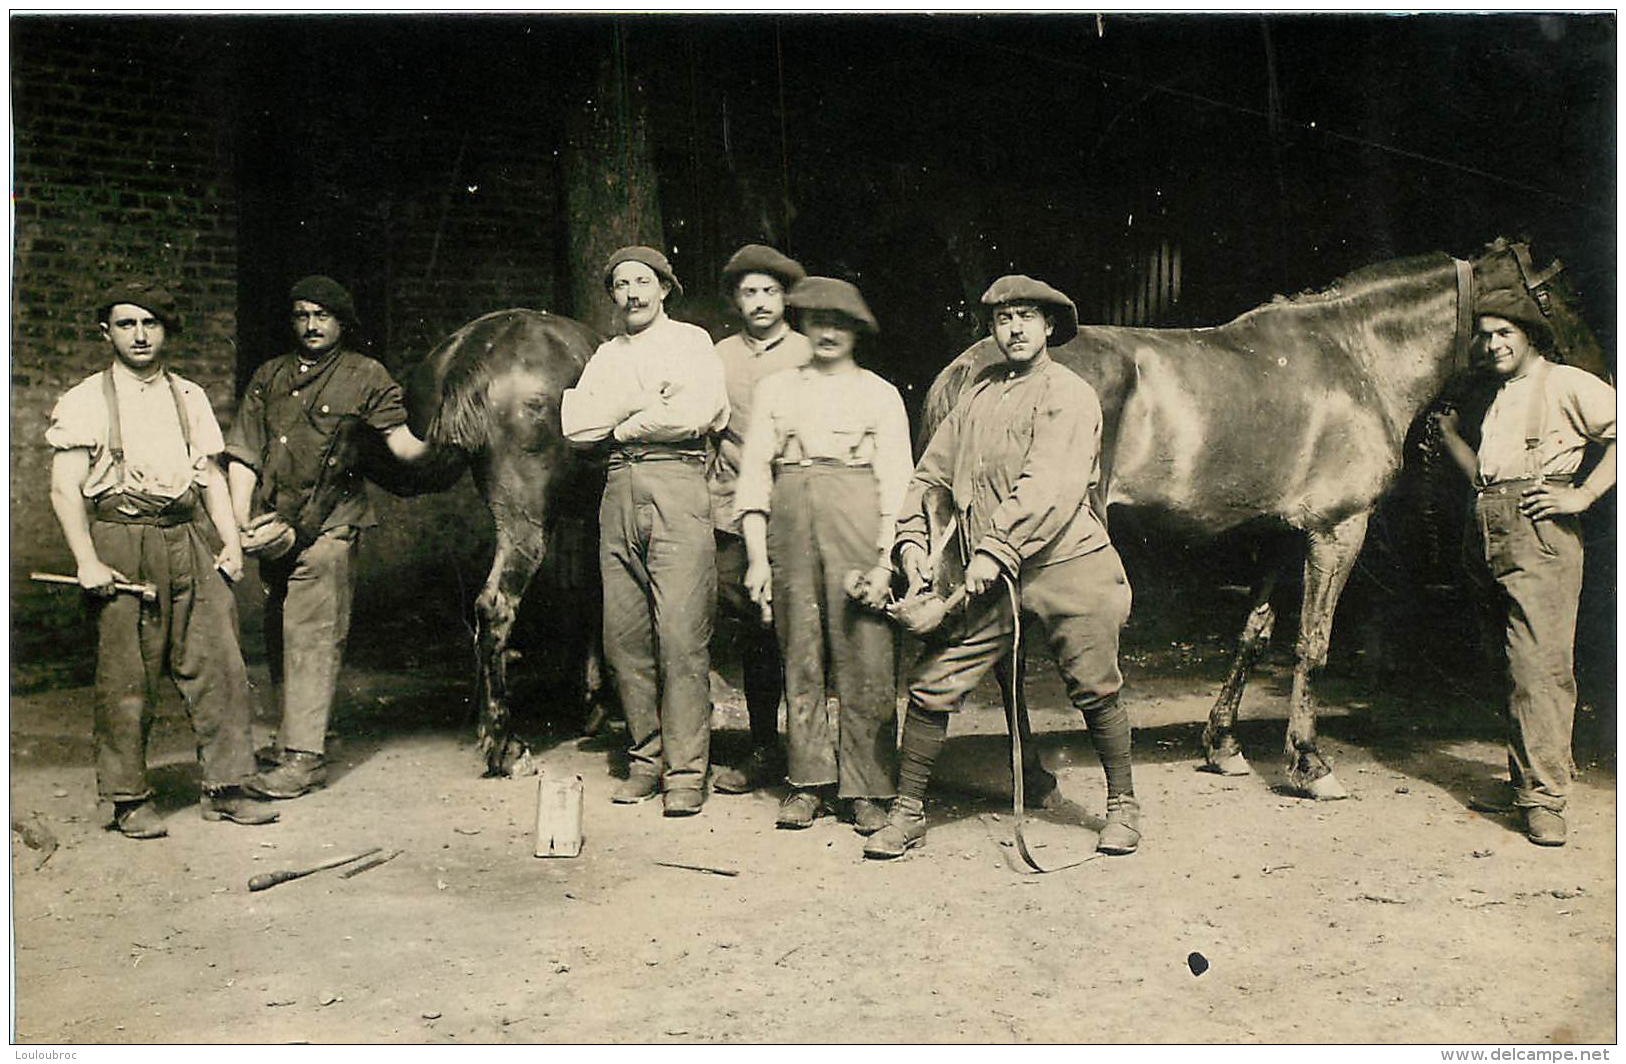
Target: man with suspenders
135,470
1524,542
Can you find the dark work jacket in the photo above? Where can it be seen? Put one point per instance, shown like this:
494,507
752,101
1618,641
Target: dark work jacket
297,432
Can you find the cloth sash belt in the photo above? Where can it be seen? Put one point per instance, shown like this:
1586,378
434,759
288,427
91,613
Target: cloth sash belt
132,508
691,450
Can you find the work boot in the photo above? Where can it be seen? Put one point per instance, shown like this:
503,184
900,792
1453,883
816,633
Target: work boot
138,820
763,767
1121,834
230,803
299,773
905,829
685,801
637,787
799,810
1544,826
869,816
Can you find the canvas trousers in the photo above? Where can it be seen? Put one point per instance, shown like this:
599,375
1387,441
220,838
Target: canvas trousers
658,559
1529,577
1081,603
822,525
307,620
190,632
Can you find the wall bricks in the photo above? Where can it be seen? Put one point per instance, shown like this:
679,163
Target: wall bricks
122,167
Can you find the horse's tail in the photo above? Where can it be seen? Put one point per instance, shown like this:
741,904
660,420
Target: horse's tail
445,397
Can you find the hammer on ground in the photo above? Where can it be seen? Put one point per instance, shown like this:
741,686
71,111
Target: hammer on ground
148,592
267,880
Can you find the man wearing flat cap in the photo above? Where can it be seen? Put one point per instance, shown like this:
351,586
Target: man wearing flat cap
303,505
1529,433
654,393
755,279
824,469
135,469
1021,454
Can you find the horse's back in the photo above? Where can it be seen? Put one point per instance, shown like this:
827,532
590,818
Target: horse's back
1217,426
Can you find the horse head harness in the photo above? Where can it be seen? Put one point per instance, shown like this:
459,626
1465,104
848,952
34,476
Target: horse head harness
1465,313
1536,283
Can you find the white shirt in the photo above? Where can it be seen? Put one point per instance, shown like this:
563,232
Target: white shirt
156,459
1578,408
668,355
851,416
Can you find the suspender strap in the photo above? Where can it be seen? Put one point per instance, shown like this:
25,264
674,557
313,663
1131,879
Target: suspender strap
115,434
180,413
1535,418
115,428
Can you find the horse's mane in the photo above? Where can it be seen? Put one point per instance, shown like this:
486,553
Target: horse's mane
1351,286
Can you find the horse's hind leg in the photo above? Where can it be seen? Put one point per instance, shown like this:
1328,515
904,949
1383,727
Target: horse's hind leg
521,544
1221,751
1326,568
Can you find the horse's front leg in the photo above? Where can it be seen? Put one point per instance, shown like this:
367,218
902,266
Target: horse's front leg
1326,568
1222,752
521,544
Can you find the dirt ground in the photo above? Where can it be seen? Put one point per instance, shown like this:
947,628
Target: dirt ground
1399,915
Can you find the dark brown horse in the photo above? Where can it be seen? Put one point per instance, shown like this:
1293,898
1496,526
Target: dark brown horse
488,396
1297,412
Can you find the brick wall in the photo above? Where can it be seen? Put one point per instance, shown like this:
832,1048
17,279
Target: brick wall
130,160
123,166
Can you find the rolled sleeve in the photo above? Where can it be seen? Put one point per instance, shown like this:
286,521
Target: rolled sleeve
206,439
245,442
78,422
385,403
1591,407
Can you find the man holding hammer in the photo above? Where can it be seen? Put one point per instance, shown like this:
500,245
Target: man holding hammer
134,472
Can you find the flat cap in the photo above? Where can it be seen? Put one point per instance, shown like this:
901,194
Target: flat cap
827,293
1020,288
328,294
1518,306
760,258
150,297
649,257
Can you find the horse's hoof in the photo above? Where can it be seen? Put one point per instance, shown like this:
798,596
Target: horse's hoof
1231,765
1326,788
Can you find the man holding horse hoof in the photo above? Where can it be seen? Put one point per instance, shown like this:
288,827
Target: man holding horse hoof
1020,454
1528,436
301,500
133,473
755,279
655,392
